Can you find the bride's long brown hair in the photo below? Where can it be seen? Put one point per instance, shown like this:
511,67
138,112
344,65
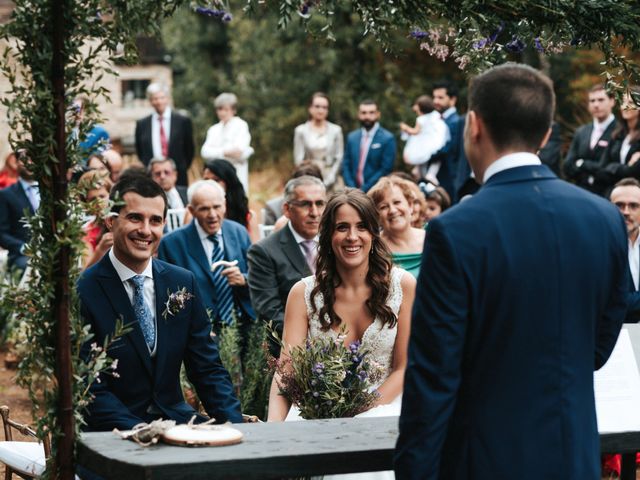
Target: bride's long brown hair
378,275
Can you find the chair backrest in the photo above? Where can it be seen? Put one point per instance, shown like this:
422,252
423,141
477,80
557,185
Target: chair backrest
25,430
265,230
175,218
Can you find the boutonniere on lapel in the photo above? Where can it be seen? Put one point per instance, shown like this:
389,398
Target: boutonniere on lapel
176,302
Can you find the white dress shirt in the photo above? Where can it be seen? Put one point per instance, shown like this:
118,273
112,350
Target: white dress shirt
512,160
149,290
226,136
599,128
299,239
634,261
206,243
155,131
174,199
32,190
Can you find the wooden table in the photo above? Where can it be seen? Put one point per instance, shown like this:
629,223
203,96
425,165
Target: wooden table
292,449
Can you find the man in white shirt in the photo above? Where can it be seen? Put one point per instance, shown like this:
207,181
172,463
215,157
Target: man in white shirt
163,171
162,304
626,196
165,133
589,144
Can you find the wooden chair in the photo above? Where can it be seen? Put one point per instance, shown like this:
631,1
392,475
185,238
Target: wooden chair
25,459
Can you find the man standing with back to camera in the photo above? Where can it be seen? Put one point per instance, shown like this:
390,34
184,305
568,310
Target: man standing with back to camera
519,299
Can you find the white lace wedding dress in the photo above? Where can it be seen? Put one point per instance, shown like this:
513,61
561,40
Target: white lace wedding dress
380,340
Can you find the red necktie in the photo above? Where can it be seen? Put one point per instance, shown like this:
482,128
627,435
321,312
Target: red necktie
164,145
362,160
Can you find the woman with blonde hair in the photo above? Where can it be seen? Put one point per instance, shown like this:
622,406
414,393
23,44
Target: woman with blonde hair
391,196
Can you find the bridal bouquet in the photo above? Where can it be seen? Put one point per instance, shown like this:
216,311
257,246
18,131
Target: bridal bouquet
326,379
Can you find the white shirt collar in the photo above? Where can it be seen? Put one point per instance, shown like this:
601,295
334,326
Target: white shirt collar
124,272
27,183
204,235
299,238
513,160
604,124
165,116
372,132
448,112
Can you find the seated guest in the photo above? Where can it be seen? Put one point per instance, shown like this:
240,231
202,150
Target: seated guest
438,201
95,186
273,207
206,240
277,262
623,150
22,196
391,197
9,173
164,172
114,163
128,284
224,173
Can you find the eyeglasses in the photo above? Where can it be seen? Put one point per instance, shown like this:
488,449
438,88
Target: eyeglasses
633,206
307,204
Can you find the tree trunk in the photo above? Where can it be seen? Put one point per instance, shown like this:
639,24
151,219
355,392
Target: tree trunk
64,464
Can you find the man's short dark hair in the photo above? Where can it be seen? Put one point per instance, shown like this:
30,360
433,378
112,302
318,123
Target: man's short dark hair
627,182
516,104
140,184
368,101
307,168
451,89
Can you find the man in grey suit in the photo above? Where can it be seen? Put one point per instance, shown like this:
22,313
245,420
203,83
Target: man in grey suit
277,262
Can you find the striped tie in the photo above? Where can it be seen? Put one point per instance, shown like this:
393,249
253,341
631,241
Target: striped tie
224,294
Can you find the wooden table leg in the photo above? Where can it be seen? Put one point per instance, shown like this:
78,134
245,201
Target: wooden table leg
628,470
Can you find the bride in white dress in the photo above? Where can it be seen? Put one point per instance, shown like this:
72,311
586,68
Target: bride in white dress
355,285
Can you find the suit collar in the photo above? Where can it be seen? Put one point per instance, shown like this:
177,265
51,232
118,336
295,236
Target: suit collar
520,174
294,254
512,160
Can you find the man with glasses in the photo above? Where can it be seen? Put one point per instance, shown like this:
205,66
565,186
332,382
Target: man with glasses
626,196
277,262
164,172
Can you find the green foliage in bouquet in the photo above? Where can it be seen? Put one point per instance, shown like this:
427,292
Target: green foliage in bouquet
326,379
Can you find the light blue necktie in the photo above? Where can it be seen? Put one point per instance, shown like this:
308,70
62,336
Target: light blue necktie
143,314
224,294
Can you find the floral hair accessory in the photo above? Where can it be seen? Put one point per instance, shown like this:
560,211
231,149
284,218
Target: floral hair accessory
176,302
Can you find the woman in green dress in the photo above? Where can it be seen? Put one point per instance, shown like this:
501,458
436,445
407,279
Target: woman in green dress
392,197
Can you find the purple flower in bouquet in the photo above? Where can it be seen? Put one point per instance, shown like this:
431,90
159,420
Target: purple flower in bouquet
418,34
355,346
480,44
318,368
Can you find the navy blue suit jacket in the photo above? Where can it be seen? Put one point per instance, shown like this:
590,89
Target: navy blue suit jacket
380,158
143,382
449,154
13,232
522,293
183,247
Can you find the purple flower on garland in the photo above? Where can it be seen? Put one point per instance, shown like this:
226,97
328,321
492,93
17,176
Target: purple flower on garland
538,44
515,45
418,34
212,12
227,17
480,44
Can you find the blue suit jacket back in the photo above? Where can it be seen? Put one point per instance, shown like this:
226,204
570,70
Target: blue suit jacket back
122,402
522,293
13,231
183,247
380,158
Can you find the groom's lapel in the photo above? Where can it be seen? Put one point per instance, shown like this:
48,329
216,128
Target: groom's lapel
114,290
162,284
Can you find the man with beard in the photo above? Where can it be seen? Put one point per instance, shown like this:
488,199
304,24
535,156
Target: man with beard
626,196
22,196
370,151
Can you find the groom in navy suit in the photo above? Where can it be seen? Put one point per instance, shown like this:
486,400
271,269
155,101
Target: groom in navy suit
522,293
127,284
